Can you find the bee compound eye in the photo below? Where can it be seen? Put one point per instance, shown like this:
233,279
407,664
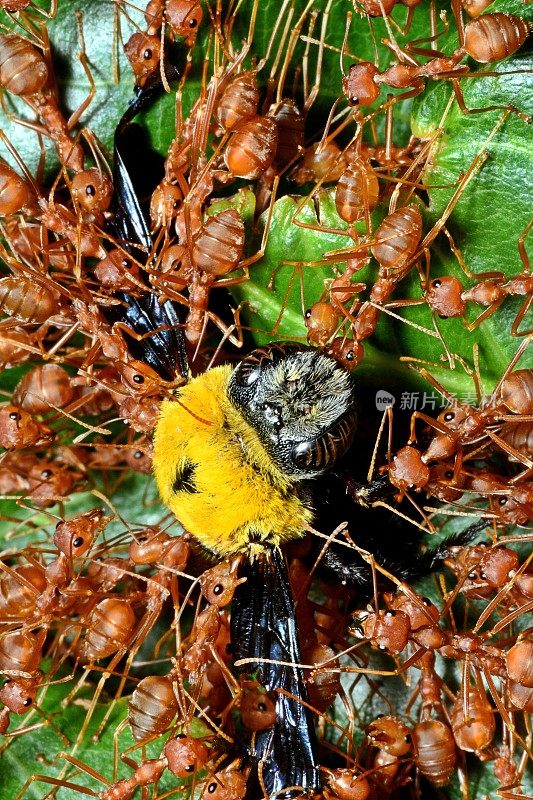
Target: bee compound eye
246,374
316,455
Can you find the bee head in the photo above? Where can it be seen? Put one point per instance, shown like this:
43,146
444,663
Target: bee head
301,404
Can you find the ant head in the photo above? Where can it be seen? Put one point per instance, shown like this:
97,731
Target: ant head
138,376
143,51
148,548
184,17
258,707
219,583
185,755
92,189
390,734
18,695
359,85
444,297
345,782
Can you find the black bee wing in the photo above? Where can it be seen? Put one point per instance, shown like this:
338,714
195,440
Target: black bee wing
129,223
263,626
394,542
163,346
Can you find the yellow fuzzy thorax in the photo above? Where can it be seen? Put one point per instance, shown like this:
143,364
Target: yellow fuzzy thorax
214,474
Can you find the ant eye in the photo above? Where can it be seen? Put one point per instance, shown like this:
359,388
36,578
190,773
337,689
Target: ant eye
7,680
472,575
189,768
212,787
426,601
193,23
354,101
27,702
90,191
448,474
502,501
126,263
308,313
46,473
436,283
147,54
14,415
449,416
350,355
218,589
261,707
138,378
78,541
138,454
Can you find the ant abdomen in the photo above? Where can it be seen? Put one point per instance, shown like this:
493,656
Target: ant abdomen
492,37
23,70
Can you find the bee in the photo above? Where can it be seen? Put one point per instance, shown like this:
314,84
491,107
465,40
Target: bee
248,457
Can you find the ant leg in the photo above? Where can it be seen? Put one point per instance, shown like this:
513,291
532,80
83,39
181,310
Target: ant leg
58,782
522,248
524,257
460,260
33,126
520,316
74,118
471,326
462,105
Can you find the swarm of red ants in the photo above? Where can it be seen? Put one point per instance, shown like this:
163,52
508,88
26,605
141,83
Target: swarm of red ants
131,622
